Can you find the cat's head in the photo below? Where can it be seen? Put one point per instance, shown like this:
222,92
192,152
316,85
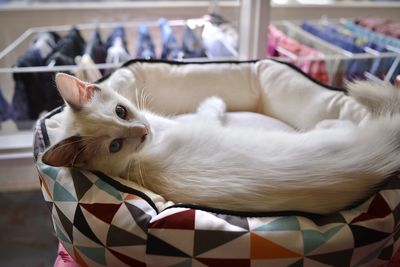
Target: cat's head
104,129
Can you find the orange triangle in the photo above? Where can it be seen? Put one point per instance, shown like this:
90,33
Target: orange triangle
43,184
262,248
130,197
79,259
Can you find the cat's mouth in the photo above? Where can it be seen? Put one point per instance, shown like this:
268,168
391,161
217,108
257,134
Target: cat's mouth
143,139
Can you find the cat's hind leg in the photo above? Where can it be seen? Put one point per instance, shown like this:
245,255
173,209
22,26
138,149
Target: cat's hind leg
213,109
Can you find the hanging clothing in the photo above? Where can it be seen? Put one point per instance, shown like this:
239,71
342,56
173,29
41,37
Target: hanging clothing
95,53
381,25
170,48
68,47
145,48
28,99
117,51
279,42
6,110
192,44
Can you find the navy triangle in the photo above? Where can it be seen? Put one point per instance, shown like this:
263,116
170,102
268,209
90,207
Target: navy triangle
298,263
66,223
234,220
119,237
365,236
141,218
157,246
321,220
205,240
386,253
81,183
50,205
337,258
82,225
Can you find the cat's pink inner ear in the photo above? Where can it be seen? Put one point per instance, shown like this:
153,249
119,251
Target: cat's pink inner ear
74,91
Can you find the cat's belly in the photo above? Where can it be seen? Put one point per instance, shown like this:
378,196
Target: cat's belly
246,119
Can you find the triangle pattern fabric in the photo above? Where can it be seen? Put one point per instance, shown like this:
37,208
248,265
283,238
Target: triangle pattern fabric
298,263
364,236
96,254
67,208
109,189
81,183
51,172
157,246
45,187
321,220
225,262
377,209
386,253
185,263
61,194
141,218
78,258
234,220
103,211
185,242
127,260
337,258
289,223
61,235
184,220
205,240
119,237
66,223
237,248
313,238
81,224
262,248
99,227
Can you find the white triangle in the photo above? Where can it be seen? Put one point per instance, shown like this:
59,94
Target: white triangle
391,197
274,262
96,195
65,180
135,252
207,221
124,220
235,249
255,222
143,205
180,239
111,260
380,224
67,208
99,228
81,240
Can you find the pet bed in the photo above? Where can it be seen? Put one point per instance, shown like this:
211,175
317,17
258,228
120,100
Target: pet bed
107,221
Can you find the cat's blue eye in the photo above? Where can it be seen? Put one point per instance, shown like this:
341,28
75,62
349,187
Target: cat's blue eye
115,145
121,111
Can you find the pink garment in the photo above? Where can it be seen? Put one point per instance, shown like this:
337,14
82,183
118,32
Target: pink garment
280,45
64,259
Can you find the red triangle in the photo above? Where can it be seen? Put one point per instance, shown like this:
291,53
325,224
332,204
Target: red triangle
180,220
125,259
262,248
377,209
104,212
79,259
225,262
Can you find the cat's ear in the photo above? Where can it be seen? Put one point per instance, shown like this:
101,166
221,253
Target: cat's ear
67,153
74,91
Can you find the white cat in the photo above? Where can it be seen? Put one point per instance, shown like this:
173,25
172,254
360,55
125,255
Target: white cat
203,162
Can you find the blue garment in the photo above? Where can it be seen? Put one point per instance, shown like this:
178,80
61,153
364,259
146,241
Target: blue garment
170,48
145,46
192,46
6,111
117,51
354,69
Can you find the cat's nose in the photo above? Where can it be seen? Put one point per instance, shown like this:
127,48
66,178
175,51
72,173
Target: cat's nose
138,132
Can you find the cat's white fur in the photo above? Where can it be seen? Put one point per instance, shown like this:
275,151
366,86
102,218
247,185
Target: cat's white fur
202,161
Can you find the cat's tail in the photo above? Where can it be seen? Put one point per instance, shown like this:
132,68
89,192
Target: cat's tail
379,99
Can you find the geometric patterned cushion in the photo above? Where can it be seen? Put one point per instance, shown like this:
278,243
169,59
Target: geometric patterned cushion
104,221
